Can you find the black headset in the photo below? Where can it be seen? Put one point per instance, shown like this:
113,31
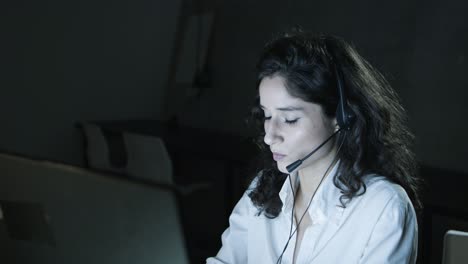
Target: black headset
345,116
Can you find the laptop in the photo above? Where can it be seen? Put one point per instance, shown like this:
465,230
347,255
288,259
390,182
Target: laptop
455,247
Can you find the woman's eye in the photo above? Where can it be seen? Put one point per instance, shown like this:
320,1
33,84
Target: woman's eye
292,121
267,118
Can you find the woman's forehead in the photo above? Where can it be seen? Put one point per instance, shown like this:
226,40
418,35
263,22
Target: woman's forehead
273,93
275,96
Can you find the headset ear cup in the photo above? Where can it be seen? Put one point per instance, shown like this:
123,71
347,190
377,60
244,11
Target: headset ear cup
345,116
348,117
340,117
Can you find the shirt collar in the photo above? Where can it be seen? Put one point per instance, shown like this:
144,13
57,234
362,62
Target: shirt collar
324,205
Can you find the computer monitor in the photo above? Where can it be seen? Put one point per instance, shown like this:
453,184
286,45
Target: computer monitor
77,216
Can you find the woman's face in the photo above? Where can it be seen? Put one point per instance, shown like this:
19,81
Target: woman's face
293,127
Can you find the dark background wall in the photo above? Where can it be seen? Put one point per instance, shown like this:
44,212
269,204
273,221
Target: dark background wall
68,61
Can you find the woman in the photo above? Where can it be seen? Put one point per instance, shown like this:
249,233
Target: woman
338,183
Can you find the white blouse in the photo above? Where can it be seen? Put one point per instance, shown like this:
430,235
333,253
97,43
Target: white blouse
377,227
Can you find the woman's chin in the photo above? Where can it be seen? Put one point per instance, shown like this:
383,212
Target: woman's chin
281,167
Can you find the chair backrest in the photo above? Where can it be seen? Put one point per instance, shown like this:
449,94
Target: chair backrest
455,247
146,157
92,218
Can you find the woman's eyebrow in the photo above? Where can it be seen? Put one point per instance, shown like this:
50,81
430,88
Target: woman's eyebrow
287,108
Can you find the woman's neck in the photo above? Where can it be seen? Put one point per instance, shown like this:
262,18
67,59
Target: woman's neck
311,176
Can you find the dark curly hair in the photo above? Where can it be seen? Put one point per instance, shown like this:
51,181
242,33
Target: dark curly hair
379,141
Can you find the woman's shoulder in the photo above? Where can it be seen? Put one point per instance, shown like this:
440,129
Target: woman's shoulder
385,193
387,203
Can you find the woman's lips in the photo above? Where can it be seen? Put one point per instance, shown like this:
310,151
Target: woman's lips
277,156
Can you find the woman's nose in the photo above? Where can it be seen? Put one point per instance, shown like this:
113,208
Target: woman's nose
271,133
